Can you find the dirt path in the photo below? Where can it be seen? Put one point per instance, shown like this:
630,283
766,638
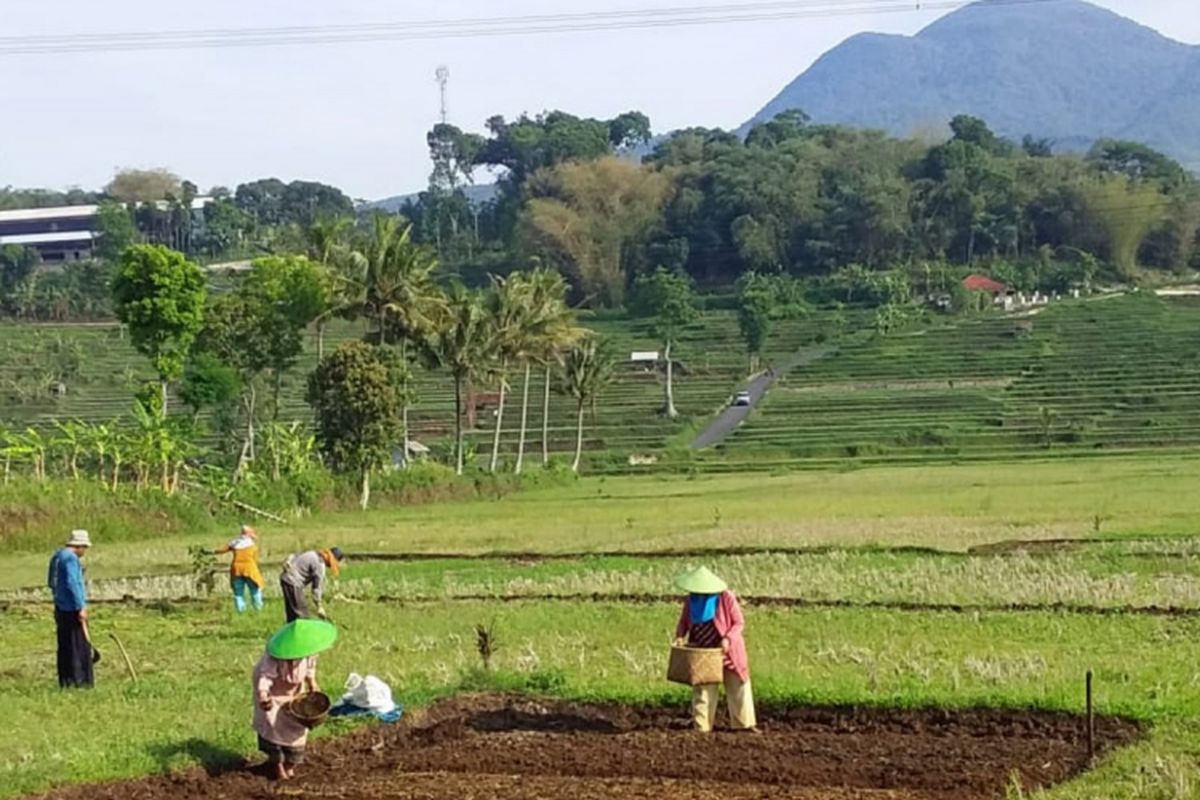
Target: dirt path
526,749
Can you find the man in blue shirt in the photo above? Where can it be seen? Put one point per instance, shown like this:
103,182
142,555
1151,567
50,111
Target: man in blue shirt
70,612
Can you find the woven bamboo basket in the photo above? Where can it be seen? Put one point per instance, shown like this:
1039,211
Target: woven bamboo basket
696,666
310,710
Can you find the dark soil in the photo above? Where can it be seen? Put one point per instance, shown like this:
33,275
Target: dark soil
517,748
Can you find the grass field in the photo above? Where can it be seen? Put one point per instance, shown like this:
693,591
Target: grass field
927,620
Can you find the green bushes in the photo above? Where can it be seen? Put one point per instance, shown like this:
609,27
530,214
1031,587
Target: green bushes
39,514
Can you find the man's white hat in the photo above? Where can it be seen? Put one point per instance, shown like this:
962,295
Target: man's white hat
79,538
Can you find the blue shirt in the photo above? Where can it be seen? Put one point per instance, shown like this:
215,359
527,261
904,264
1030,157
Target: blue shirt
66,581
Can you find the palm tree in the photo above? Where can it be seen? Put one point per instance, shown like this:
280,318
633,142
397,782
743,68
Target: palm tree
328,240
395,290
587,369
549,329
510,319
461,342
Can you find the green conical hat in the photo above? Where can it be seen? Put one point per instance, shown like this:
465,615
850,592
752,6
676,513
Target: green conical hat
700,581
302,638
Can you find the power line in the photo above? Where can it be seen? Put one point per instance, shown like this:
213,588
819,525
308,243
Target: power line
483,27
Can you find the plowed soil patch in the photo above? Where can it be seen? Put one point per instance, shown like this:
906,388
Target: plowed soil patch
521,749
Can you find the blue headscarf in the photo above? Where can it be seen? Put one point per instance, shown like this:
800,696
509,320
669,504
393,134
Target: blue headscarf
702,607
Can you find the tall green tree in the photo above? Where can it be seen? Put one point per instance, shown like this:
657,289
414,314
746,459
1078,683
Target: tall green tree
115,225
588,367
668,300
17,267
356,397
755,307
159,295
1127,211
285,295
587,217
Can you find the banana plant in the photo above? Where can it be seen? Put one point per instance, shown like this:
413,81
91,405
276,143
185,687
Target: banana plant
6,450
99,438
70,442
32,445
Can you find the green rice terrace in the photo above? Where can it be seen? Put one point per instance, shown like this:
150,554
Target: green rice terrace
1111,375
1117,374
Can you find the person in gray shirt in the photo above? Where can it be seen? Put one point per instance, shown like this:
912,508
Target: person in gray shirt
307,569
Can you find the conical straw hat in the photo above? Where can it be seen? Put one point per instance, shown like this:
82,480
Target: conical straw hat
700,581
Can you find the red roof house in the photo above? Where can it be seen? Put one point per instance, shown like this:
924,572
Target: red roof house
982,283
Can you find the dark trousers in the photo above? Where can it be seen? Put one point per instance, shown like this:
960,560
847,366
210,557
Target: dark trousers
74,651
294,605
278,754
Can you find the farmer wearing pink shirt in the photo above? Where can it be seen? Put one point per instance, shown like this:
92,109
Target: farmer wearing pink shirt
287,671
712,618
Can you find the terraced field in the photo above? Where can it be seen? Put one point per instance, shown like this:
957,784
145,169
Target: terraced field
1115,375
626,418
1084,378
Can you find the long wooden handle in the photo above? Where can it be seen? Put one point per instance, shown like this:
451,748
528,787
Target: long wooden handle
125,655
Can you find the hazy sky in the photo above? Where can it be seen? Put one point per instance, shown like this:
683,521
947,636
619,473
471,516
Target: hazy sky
355,115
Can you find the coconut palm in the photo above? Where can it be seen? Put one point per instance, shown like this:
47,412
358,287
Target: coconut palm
587,368
461,342
329,244
550,328
394,289
510,320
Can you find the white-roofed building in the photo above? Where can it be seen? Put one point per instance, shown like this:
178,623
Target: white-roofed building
64,233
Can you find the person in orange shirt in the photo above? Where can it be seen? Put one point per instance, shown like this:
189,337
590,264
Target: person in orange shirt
244,574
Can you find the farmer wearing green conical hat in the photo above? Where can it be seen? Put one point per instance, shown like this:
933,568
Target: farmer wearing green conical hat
712,618
287,670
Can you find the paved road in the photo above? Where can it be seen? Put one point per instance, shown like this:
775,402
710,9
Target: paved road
733,416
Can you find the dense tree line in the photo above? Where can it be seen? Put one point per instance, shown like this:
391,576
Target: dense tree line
812,201
594,200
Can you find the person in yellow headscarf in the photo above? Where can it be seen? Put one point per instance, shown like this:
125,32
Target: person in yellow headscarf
244,574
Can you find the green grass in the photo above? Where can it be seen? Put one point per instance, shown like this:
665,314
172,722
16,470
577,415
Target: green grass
194,667
194,658
944,507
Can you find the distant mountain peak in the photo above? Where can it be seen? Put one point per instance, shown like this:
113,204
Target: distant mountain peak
1066,70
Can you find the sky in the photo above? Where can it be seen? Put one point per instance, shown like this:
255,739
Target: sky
355,114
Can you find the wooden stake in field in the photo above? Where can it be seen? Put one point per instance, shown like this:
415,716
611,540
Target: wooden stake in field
1091,721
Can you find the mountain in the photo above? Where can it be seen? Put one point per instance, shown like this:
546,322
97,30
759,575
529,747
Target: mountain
477,194
1065,70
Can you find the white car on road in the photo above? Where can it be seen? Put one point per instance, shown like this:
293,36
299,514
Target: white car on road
741,399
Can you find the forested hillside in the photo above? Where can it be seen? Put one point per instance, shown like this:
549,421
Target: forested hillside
1066,71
